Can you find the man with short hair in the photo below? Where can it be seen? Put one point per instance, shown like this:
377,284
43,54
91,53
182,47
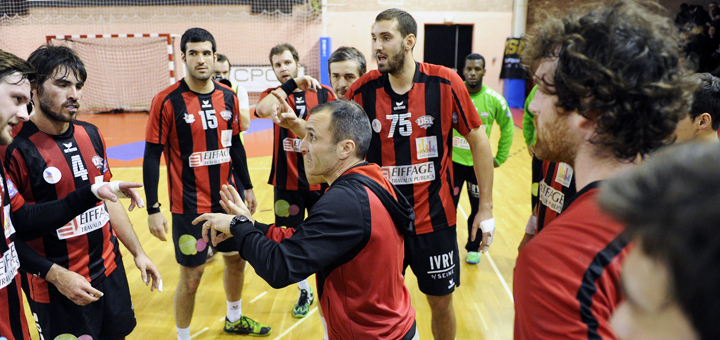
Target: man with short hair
51,156
567,278
413,108
23,222
294,192
358,222
345,66
222,71
491,107
195,122
671,275
703,120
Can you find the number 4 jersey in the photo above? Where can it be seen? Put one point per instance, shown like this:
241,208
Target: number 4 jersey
412,136
196,130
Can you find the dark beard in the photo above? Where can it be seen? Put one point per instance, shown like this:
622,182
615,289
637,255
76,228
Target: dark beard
394,64
55,116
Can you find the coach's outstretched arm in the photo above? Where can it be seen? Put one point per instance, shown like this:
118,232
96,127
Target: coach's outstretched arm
270,104
151,175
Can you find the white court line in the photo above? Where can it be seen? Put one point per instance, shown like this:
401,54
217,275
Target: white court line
481,317
259,296
297,324
200,332
492,263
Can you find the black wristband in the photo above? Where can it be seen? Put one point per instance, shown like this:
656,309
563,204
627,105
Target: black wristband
153,210
289,86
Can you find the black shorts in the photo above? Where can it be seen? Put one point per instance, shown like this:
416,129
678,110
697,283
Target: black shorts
110,318
290,206
435,261
186,237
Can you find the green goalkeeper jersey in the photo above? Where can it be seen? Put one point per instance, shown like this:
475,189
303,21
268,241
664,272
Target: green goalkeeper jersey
491,107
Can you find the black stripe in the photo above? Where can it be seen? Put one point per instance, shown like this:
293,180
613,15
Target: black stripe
369,96
542,208
185,144
589,287
15,310
211,143
433,108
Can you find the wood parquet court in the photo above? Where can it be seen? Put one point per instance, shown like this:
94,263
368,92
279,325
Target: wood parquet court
483,302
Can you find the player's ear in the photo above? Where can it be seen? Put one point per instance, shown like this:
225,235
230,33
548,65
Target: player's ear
704,121
410,41
182,56
346,148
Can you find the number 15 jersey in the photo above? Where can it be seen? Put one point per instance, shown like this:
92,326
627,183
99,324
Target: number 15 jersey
412,136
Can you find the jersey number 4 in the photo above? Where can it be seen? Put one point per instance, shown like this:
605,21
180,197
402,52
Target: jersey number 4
209,121
402,122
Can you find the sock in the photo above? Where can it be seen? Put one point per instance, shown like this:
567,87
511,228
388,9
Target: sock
183,333
234,312
322,318
304,285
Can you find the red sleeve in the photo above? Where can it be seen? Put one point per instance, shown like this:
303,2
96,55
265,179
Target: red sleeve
16,200
278,234
107,174
160,120
468,117
15,170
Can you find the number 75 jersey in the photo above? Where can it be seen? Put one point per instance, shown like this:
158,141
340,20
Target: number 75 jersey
196,130
412,136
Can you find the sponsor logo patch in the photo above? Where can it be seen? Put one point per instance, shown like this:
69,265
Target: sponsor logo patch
207,158
461,142
226,115
564,174
399,106
9,265
98,162
552,198
52,175
455,118
376,125
425,121
426,147
442,266
291,144
226,138
91,220
69,147
410,174
189,118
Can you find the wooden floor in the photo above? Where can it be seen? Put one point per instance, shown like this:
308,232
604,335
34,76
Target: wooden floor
483,302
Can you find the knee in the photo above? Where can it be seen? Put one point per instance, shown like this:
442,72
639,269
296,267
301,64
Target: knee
440,304
190,278
234,263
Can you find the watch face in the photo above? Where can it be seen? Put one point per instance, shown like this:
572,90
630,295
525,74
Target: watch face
242,219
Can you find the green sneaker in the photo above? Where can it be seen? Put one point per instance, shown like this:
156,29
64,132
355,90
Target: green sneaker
473,257
246,326
303,304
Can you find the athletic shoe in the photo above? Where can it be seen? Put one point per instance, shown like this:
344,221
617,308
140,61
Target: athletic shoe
246,326
473,257
303,305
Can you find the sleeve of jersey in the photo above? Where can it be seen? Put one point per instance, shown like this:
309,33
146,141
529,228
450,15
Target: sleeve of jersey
30,261
35,220
467,116
333,228
236,119
503,116
107,174
274,232
239,161
158,124
151,173
545,302
528,123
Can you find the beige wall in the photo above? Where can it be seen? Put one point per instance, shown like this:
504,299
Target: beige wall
489,33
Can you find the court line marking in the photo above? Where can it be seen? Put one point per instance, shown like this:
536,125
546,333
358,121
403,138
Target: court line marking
296,324
200,332
259,296
492,263
481,317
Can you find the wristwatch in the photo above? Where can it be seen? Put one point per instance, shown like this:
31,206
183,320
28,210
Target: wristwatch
238,219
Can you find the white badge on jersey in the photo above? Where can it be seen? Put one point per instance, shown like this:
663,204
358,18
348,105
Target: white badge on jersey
553,199
376,125
208,158
292,144
226,138
461,142
410,174
9,265
226,115
52,175
8,225
425,121
426,147
564,174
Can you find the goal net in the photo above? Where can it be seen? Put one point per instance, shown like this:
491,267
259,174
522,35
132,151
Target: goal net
124,72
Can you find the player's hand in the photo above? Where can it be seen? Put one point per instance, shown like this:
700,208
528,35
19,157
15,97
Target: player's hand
487,228
283,115
307,83
157,224
251,200
232,203
112,190
148,271
73,285
215,223
495,163
525,240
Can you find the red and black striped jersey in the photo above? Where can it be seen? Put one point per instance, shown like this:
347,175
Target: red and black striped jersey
13,323
288,169
412,139
46,168
567,279
196,130
557,185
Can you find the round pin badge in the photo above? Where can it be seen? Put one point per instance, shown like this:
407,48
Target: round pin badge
376,125
52,175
